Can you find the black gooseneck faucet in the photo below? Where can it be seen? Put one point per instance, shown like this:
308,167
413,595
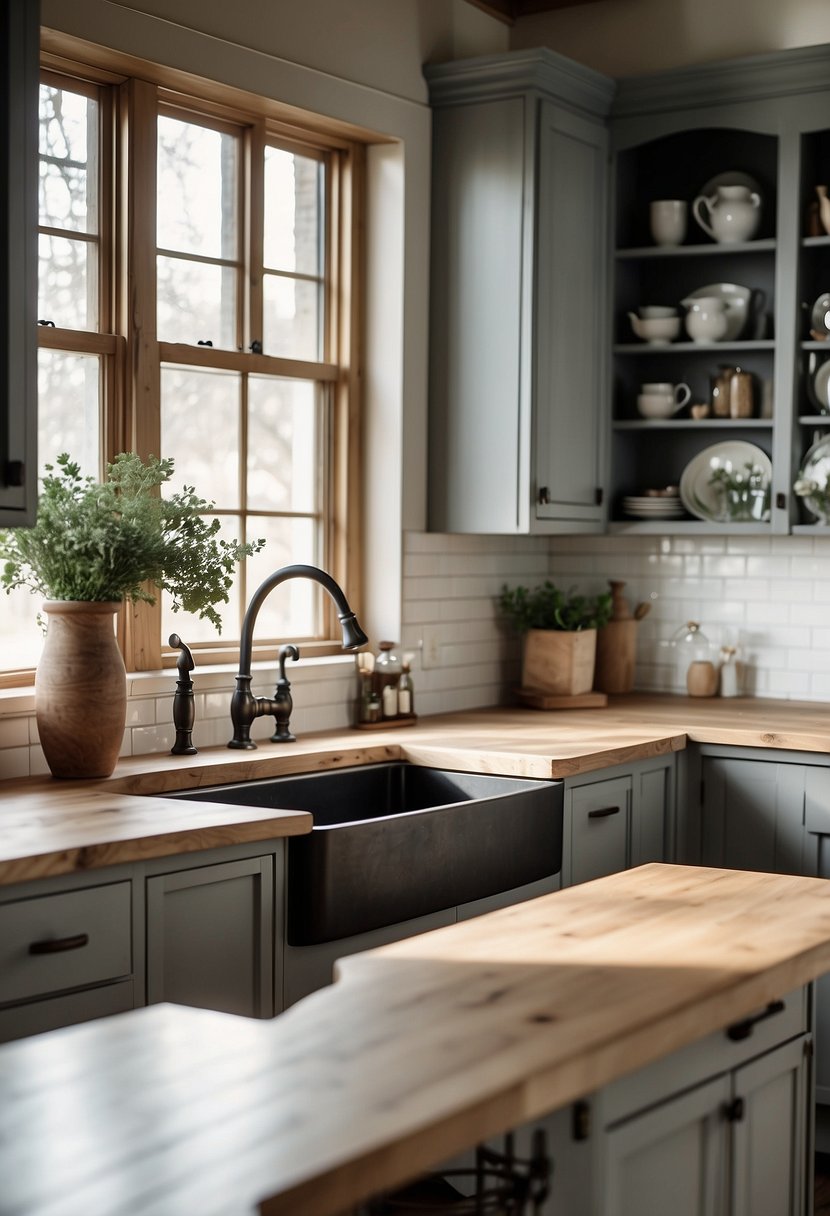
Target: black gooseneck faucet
245,707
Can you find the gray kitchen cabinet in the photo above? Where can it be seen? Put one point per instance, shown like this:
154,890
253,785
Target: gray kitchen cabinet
66,954
752,814
518,290
211,936
735,1145
20,59
618,818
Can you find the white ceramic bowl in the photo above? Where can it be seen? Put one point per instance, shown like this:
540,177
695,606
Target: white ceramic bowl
657,330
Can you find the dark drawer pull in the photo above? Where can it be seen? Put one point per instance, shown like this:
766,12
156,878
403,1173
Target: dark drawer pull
742,1030
604,812
57,945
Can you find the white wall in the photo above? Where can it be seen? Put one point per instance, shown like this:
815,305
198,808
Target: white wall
630,37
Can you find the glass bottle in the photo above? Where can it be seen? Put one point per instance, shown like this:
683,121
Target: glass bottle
406,704
388,669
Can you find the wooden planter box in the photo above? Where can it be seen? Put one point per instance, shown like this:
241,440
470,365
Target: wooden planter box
558,662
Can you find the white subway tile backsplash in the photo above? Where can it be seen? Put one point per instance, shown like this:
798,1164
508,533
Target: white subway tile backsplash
769,593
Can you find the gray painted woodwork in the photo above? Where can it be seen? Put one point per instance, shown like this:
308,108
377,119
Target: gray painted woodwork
674,1150
517,295
620,817
753,815
19,55
50,1013
210,937
669,1159
95,924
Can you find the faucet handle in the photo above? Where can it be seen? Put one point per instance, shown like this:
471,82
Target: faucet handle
287,652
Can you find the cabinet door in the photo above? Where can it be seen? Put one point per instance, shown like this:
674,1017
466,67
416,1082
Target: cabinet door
652,817
210,937
479,400
769,1161
569,328
671,1159
599,822
753,815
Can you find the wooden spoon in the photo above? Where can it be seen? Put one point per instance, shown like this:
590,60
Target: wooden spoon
642,610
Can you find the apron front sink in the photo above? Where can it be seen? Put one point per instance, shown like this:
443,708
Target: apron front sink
394,841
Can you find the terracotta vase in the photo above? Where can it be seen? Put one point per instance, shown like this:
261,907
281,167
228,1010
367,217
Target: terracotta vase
81,690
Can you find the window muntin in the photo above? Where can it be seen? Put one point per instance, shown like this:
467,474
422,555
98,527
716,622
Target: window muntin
68,203
101,379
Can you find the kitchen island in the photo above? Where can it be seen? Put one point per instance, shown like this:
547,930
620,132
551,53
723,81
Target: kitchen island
420,1050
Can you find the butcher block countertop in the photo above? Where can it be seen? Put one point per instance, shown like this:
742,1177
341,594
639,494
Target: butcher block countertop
419,1050
52,827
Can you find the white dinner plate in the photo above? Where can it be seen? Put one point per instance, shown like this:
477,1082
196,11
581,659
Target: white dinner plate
736,300
821,384
820,314
702,499
816,467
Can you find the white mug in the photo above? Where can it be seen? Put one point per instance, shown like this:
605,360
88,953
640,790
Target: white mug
668,220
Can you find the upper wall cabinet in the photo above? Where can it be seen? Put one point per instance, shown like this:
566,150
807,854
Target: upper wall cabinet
739,148
519,290
19,42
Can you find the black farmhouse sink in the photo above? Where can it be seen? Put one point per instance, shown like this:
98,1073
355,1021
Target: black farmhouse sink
395,841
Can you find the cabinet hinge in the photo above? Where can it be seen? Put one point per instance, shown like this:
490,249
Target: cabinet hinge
581,1120
544,496
598,495
734,1111
781,501
809,1049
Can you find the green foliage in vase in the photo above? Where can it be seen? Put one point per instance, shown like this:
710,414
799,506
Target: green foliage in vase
546,607
120,539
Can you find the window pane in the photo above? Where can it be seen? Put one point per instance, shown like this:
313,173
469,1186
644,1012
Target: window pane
200,430
197,190
68,282
188,625
292,610
69,396
68,160
196,303
291,318
21,639
293,212
282,445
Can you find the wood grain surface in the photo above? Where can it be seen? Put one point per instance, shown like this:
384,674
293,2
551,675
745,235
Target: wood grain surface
418,1051
57,827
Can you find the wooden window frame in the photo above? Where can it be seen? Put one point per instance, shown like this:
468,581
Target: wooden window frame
127,333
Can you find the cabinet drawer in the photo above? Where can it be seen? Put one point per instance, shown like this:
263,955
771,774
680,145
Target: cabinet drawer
600,828
708,1057
52,1012
64,941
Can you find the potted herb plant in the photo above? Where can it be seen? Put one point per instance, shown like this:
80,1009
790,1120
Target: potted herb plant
559,635
94,545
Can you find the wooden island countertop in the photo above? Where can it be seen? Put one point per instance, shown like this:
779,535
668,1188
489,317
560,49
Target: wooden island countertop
54,827
419,1050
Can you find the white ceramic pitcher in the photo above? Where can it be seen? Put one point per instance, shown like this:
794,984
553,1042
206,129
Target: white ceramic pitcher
706,320
731,214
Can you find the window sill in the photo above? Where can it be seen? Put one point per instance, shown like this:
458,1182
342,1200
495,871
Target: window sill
210,678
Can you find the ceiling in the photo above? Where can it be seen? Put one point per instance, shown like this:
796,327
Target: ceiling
510,10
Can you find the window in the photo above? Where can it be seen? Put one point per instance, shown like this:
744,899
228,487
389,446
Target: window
197,299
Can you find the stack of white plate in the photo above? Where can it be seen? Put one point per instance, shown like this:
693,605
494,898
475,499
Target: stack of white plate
653,506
